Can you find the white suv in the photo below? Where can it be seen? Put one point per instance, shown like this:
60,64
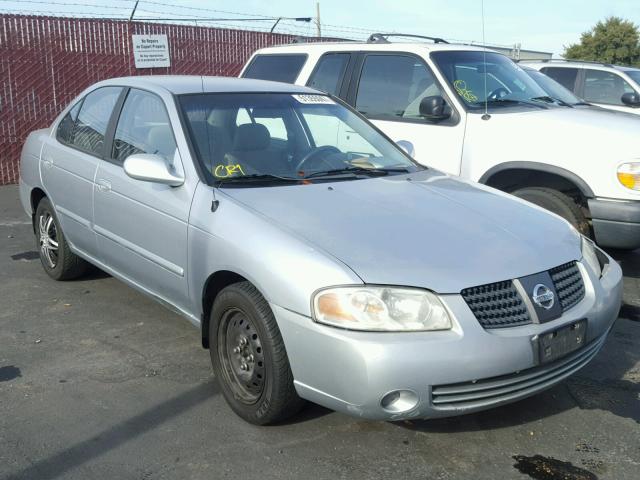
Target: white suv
501,129
602,84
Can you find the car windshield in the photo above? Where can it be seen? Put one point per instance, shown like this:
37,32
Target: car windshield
265,138
553,88
478,76
634,74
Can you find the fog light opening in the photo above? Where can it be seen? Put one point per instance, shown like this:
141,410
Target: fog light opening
399,401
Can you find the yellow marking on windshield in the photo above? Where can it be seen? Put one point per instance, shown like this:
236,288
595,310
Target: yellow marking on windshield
464,92
224,171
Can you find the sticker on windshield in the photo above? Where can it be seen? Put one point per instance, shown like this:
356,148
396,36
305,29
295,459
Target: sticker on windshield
464,92
318,99
224,171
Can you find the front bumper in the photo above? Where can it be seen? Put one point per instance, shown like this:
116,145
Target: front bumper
454,372
616,223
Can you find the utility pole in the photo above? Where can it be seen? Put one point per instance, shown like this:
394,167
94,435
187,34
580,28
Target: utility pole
318,28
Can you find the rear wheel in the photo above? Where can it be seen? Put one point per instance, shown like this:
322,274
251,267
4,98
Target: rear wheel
558,203
56,257
249,358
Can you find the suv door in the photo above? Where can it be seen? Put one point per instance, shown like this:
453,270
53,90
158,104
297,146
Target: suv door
605,89
69,162
141,226
388,88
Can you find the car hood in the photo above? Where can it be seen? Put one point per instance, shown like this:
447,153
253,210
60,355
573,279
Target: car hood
425,230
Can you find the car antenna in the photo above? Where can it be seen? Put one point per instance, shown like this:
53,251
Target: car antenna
486,115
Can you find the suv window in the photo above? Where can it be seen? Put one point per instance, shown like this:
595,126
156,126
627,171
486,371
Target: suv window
392,86
329,72
279,68
91,124
65,127
143,127
604,87
564,76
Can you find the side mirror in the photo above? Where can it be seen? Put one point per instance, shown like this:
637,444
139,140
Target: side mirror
434,108
407,146
152,168
631,99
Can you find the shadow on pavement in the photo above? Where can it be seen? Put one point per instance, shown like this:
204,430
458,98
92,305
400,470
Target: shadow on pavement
117,435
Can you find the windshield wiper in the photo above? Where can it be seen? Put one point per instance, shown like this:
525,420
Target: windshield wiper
358,170
508,101
266,177
549,99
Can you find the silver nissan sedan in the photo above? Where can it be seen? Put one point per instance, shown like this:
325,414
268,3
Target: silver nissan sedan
318,259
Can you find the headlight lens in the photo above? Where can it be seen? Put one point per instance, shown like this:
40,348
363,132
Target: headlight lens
380,309
590,257
629,175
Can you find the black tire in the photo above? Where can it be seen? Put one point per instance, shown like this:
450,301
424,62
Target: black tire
263,393
61,263
558,203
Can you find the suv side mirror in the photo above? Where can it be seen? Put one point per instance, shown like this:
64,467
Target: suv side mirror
434,108
631,99
152,168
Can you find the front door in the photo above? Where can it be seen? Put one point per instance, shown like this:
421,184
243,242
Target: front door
141,226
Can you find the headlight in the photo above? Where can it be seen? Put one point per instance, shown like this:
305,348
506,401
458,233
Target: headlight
629,175
380,309
590,257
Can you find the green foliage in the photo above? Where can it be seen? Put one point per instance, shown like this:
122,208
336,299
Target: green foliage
613,41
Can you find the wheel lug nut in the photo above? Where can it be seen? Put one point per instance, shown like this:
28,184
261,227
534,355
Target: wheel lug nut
236,350
250,358
244,366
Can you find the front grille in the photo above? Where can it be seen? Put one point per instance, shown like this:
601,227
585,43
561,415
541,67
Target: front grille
496,390
497,305
569,284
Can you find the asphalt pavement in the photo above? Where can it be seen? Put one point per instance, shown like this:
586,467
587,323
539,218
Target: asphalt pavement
99,382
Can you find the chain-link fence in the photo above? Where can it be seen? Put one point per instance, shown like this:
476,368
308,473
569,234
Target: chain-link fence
46,61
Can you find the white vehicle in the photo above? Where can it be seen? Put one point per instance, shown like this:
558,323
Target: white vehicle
608,86
501,129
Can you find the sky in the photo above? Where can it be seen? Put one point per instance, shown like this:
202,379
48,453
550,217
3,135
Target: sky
545,25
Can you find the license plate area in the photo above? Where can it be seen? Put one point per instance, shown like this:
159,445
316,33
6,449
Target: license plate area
557,343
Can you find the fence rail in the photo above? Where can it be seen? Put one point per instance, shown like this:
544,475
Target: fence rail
46,61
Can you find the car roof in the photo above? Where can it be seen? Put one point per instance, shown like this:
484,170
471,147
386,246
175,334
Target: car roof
319,47
578,64
185,84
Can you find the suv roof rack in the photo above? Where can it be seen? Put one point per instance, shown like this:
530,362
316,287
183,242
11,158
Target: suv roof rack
382,37
301,39
568,60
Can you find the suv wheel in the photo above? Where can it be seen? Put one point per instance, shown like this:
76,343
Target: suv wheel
56,257
249,358
558,203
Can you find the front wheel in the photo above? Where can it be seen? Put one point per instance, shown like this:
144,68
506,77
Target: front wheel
249,358
558,203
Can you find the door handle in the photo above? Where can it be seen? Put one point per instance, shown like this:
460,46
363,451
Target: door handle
104,185
47,162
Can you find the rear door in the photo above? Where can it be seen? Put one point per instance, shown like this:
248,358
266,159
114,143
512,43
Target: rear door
387,89
70,159
141,226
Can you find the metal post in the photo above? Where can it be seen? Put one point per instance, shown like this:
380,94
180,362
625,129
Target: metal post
318,28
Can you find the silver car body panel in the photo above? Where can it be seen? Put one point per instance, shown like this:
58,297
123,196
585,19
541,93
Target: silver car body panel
432,231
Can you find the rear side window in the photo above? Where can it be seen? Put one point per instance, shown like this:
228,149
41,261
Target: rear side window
392,87
91,124
279,68
65,127
604,87
329,73
564,76
143,127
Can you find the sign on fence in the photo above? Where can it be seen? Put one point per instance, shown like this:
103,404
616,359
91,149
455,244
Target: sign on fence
151,51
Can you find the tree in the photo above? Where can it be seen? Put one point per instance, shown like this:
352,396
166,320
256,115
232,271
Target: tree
613,41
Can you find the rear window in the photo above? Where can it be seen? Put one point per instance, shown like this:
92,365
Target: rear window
279,68
564,76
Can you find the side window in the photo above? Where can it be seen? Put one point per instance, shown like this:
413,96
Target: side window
329,72
65,127
392,86
143,127
279,68
564,76
91,124
604,87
